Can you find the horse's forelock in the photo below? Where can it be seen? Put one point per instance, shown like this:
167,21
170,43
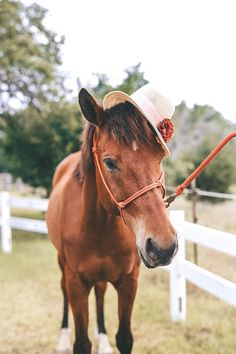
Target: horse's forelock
126,124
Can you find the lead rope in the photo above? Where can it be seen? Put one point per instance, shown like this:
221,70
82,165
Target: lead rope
179,190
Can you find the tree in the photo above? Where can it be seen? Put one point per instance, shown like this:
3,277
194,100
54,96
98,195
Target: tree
221,173
29,56
176,170
35,142
102,86
134,79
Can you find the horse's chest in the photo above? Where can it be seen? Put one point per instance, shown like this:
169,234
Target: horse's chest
98,260
104,269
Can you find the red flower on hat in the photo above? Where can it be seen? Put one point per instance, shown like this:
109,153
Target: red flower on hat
166,128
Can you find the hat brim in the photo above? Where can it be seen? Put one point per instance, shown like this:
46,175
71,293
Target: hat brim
115,97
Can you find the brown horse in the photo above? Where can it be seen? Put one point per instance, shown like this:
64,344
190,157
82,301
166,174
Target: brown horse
95,244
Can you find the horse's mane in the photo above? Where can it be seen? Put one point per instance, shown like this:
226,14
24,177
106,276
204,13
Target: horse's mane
125,123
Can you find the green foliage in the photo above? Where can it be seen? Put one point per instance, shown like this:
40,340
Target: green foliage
102,86
4,161
134,79
29,56
36,138
176,170
35,142
221,173
198,131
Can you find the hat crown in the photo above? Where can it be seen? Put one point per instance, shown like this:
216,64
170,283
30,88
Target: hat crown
162,104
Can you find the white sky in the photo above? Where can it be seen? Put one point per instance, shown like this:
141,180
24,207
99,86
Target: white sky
187,47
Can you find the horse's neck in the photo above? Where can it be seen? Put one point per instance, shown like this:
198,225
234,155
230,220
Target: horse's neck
93,210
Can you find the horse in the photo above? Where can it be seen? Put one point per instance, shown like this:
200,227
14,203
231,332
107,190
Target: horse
106,213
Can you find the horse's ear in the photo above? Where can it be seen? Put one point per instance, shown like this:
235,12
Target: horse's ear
91,110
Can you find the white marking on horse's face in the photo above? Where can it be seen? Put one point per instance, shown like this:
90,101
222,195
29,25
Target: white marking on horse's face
135,146
139,230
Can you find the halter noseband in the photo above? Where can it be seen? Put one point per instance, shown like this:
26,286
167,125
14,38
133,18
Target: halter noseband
122,204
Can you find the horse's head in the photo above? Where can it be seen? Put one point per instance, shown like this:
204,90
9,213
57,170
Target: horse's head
127,159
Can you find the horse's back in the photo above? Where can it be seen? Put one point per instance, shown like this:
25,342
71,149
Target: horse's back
63,173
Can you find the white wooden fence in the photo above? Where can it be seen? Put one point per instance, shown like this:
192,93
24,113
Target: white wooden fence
180,270
8,222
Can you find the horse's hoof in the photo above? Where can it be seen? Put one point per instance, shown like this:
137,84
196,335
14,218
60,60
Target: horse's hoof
64,346
104,346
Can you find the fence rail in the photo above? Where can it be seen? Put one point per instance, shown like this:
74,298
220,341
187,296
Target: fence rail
202,193
29,203
27,224
181,270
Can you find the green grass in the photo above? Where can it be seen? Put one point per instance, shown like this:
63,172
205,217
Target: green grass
31,306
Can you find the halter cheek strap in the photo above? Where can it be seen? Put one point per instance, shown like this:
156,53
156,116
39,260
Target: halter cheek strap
122,204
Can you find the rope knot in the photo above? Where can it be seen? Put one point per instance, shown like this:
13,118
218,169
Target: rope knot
121,205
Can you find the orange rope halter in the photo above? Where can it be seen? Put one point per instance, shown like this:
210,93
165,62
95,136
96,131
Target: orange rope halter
179,190
122,204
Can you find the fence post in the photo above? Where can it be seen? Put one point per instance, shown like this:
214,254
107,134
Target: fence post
177,280
6,239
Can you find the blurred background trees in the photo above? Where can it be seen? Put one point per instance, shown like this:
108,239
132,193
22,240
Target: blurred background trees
134,79
40,124
197,132
29,57
35,141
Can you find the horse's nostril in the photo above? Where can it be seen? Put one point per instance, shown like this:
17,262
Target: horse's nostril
151,248
155,252
150,245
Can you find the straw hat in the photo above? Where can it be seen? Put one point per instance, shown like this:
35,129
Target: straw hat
156,108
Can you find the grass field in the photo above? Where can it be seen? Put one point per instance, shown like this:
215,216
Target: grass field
31,301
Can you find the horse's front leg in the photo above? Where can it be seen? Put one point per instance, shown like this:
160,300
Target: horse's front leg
126,289
78,292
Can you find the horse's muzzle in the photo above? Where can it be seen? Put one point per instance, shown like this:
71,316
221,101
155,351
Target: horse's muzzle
153,256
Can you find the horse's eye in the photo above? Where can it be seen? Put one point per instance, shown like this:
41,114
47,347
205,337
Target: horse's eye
110,164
